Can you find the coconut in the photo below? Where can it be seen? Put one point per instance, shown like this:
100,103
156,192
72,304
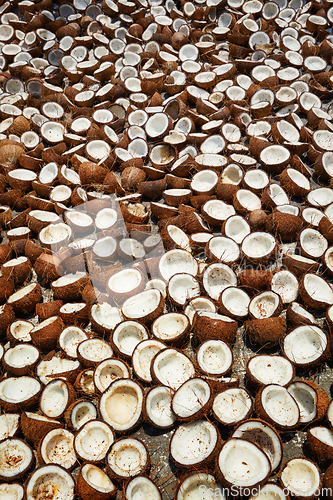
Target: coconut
93,441
259,247
157,407
12,490
69,287
315,291
171,368
297,315
265,305
126,336
56,447
234,302
311,399
35,426
84,382
172,328
109,370
222,249
92,351
9,425
54,364
209,326
69,339
301,478
19,393
275,405
306,345
19,331
25,299
283,225
128,457
232,406
194,483
263,370
93,482
50,476
46,334
21,359
79,413
312,244
104,317
182,287
74,313
195,443
125,284
56,397
142,358
142,485
121,404
216,277
192,400
145,306
299,265
16,458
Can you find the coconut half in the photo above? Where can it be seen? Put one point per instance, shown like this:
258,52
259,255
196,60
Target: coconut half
142,358
158,408
128,457
171,368
57,447
275,404
16,458
93,441
266,370
50,478
232,406
142,486
192,399
305,345
301,477
214,357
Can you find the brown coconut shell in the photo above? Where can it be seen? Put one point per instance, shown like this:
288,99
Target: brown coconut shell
299,267
7,287
91,173
321,452
19,273
47,336
326,229
307,298
87,492
34,429
266,332
71,292
27,303
48,268
255,280
46,310
205,328
294,319
283,226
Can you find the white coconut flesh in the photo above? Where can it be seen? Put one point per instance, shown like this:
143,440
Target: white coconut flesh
232,174
157,125
271,369
11,491
204,181
264,305
223,249
21,330
170,326
142,357
127,335
108,371
21,356
191,397
142,304
298,309
236,228
193,487
306,399
57,447
43,216
142,487
18,231
285,284
288,209
121,404
9,424
106,218
318,289
313,243
158,406
54,398
320,197
60,193
274,155
68,279
218,210
97,479
15,262
132,248
280,406
214,357
299,179
236,301
83,412
301,477
21,293
177,261
216,278
125,281
270,491
95,350
172,368
105,247
70,338
93,441
248,200
55,234
128,457
48,369
15,457
183,287
86,382
258,245
106,315
71,308
232,405
193,443
179,237
305,344
79,219
263,436
278,195
199,304
242,463
18,389
82,245
50,479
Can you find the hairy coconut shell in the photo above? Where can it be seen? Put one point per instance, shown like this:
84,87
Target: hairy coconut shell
283,226
255,280
34,429
46,310
206,328
266,332
47,337
47,268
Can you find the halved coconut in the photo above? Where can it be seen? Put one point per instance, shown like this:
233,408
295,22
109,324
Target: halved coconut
50,478
267,369
53,364
106,219
70,286
9,425
232,406
142,485
204,182
312,244
216,278
234,302
299,265
93,482
80,412
19,269
93,351
236,228
84,382
19,393
128,457
195,443
157,408
214,357
108,371
301,478
174,237
104,317
182,288
74,313
126,337
215,212
142,358
46,334
16,458
222,249
242,464
171,328
145,306
306,345
275,404
35,426
24,300
171,368
285,284
121,404
297,315
56,396
259,247
13,491
55,236
57,447
315,291
125,284
311,399
192,400
19,331
199,304
209,326
265,305
196,484
21,359
93,441
70,338
263,435
266,332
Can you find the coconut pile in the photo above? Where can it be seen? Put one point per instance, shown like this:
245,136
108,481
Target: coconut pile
166,195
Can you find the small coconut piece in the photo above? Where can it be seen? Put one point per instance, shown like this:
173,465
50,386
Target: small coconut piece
305,346
259,247
121,404
311,399
195,443
265,305
84,382
19,393
57,395
297,315
93,482
232,406
241,464
16,458
142,358
20,359
171,368
144,486
157,407
301,478
93,441
57,447
108,371
192,400
93,350
128,457
50,476
267,369
172,328
9,425
315,291
24,300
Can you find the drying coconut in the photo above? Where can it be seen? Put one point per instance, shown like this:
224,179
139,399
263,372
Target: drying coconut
301,477
266,331
274,404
